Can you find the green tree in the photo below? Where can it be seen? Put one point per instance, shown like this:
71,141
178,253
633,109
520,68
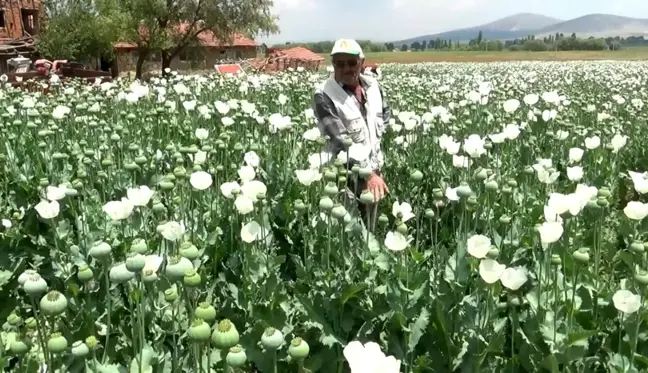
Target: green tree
403,48
480,37
170,26
76,31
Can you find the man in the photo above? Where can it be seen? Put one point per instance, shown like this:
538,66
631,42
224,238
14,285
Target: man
352,105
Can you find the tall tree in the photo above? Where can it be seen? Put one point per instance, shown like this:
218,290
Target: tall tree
170,26
480,37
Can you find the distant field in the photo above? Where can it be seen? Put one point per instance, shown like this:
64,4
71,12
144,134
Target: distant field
463,56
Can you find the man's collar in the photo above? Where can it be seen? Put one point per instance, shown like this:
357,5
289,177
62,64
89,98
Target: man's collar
363,82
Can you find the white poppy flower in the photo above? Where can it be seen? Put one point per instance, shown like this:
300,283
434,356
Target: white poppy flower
402,211
575,173
312,134
396,241
139,196
244,205
639,181
55,193
152,263
626,301
369,358
558,203
512,131
636,210
307,177
575,155
618,142
119,210
514,278
199,158
200,180
459,161
531,99
251,159
60,112
478,246
227,121
474,146
253,188
547,177
253,231
491,271
550,232
593,142
201,134
451,194
246,173
511,105
172,230
228,189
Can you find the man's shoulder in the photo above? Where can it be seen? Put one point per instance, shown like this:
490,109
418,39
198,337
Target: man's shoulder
370,80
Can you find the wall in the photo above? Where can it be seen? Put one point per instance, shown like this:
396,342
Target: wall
12,17
194,58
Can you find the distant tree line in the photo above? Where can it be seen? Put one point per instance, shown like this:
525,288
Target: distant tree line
557,42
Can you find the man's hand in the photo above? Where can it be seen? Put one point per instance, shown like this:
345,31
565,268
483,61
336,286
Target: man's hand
376,185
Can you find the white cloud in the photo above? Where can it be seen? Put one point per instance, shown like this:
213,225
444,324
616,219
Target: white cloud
294,4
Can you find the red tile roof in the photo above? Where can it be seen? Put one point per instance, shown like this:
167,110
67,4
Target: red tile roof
233,68
206,39
299,53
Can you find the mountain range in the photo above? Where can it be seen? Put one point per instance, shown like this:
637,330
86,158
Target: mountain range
523,24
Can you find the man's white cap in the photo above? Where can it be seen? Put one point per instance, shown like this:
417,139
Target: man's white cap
347,46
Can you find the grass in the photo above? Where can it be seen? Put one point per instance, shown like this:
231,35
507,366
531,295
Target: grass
468,56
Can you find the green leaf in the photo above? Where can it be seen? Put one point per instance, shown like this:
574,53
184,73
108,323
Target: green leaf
580,338
5,276
551,363
382,261
417,329
145,356
351,291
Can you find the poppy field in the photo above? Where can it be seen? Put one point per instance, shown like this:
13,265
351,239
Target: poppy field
193,223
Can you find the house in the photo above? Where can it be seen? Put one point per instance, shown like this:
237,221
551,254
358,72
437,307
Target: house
280,59
19,23
209,52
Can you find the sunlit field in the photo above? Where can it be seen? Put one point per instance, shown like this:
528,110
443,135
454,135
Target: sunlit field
632,54
195,224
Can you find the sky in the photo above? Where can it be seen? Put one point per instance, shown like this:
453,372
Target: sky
391,20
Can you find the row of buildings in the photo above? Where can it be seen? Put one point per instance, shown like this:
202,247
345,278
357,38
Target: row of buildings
20,24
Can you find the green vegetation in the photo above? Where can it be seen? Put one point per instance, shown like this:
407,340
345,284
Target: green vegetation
558,42
76,31
83,29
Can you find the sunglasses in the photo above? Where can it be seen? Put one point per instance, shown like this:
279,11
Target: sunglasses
341,64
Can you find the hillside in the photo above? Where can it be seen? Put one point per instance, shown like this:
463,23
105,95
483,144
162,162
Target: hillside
599,25
523,24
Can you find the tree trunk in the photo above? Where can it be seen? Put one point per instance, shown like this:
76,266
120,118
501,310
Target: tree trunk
166,62
141,58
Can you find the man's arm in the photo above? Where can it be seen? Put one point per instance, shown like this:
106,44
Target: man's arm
329,121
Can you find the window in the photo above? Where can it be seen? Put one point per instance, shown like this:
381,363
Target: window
2,19
29,20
